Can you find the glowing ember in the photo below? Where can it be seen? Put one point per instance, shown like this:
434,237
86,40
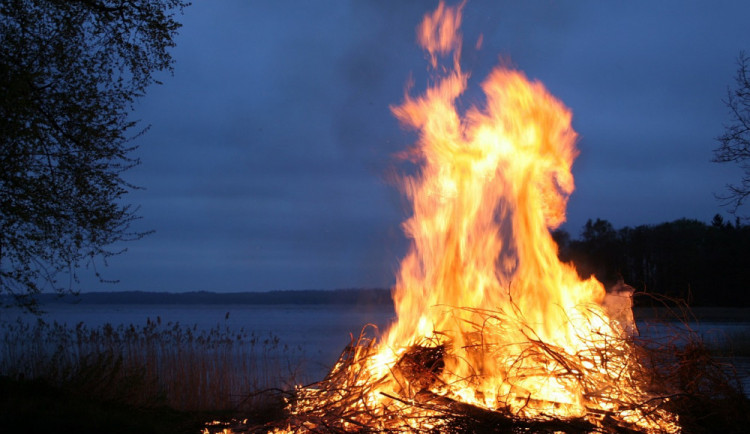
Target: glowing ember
489,320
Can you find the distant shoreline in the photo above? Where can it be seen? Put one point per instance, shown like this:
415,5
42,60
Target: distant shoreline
305,297
342,297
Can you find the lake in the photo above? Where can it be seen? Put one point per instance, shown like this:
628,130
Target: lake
318,332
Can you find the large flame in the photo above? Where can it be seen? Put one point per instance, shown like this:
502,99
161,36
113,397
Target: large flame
492,184
500,322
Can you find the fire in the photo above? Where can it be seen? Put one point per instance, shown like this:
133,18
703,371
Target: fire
487,316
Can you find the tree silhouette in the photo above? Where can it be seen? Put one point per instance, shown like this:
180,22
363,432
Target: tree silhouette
598,252
734,144
704,264
69,74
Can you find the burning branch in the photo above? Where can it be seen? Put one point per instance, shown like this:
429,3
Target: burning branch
422,402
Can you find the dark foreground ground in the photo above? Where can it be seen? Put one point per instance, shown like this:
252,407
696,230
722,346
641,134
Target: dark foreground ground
35,407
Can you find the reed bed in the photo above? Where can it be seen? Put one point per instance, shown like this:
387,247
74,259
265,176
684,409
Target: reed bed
153,365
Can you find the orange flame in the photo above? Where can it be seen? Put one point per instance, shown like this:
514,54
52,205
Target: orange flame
493,182
482,275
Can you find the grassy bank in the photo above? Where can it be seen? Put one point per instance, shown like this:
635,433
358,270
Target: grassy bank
152,378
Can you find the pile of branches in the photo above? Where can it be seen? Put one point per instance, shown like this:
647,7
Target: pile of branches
338,404
680,377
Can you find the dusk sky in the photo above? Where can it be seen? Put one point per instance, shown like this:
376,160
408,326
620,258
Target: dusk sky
269,159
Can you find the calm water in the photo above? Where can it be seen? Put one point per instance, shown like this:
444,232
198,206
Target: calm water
321,332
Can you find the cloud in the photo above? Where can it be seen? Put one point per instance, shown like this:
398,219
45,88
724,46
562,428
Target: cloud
268,160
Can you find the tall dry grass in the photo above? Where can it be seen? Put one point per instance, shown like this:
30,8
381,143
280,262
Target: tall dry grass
152,365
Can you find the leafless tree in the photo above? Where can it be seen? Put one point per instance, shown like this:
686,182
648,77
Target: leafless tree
734,144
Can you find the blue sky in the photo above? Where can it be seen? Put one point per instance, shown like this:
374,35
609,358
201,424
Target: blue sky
270,153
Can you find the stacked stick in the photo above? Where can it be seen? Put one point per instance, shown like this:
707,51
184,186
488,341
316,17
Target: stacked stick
607,372
682,389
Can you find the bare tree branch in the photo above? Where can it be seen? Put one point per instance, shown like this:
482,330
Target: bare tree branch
734,144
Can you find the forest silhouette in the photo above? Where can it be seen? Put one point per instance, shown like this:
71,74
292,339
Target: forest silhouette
688,260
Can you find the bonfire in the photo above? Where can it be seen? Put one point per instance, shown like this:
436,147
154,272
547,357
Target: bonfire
492,332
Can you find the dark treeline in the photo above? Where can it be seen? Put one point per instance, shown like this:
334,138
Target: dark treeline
703,264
